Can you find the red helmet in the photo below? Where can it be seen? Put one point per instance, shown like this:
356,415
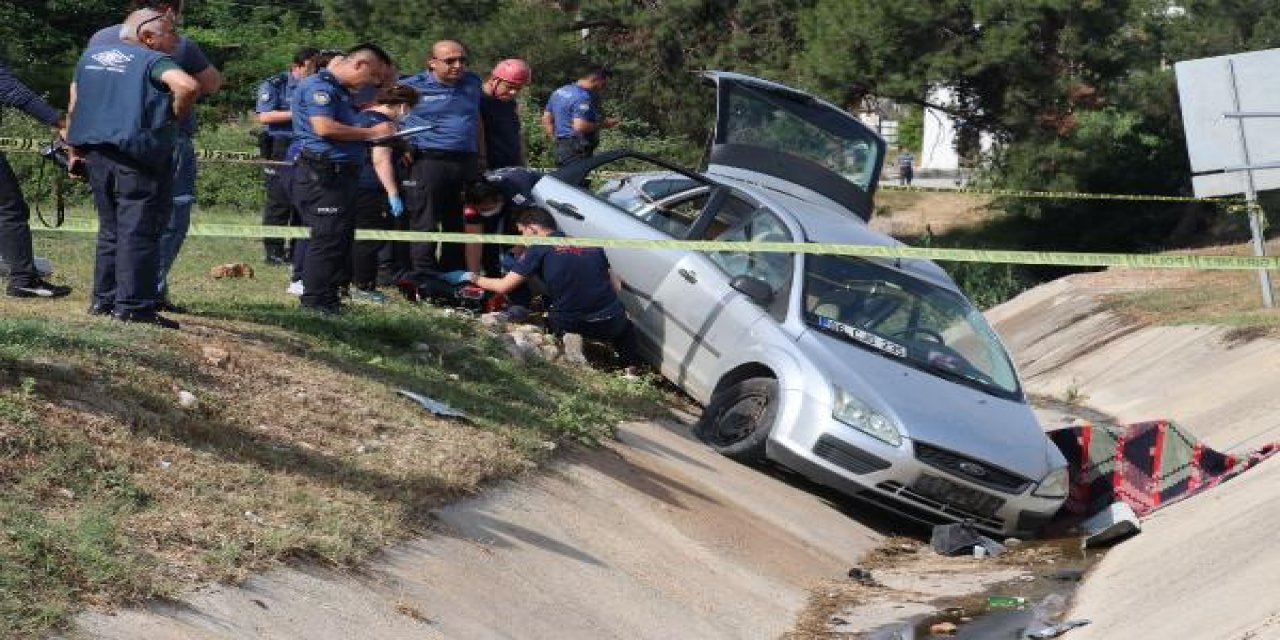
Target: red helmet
514,71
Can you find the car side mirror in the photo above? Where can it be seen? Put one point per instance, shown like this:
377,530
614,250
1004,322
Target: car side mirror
758,290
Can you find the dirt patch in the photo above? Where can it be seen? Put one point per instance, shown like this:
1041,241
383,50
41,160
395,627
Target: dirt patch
905,214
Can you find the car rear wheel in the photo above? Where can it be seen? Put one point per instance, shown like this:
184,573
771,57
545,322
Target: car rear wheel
737,421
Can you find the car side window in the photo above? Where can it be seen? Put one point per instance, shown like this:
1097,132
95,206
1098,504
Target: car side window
773,268
673,217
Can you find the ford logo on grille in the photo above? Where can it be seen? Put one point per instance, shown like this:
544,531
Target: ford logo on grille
972,469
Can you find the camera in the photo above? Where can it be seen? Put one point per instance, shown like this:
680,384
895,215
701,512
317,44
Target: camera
58,153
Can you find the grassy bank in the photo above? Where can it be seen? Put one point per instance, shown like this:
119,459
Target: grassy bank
297,446
1223,298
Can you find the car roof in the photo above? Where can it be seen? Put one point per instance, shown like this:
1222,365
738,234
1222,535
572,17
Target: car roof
823,225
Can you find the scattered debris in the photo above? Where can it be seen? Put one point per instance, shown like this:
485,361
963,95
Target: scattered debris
434,406
1110,525
1053,631
1006,602
215,356
410,611
254,518
943,629
863,577
188,400
963,538
232,270
1068,575
66,493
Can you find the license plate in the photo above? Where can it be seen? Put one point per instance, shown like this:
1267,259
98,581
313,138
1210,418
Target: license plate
957,495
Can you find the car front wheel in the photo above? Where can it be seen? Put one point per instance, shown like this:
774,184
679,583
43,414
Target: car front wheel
737,421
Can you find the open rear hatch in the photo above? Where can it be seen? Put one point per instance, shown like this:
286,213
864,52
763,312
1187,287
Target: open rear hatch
788,140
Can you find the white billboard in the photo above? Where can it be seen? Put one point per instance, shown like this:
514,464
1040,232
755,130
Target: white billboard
1231,115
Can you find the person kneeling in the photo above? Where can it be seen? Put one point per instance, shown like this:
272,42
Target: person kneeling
582,288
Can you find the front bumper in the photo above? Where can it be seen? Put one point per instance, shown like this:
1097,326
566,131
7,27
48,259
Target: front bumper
833,454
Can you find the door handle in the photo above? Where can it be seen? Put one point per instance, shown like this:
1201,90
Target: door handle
689,276
565,208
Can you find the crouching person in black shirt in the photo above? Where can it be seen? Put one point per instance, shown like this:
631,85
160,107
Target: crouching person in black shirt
582,288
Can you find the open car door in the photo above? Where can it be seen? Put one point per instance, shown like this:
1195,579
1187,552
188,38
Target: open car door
788,140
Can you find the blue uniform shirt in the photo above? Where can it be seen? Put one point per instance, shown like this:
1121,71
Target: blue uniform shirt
189,56
275,94
569,102
368,177
576,277
453,112
322,95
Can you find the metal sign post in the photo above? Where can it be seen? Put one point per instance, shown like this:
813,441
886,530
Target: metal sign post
1250,189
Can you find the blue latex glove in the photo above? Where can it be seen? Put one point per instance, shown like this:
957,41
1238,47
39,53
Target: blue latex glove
456,277
397,206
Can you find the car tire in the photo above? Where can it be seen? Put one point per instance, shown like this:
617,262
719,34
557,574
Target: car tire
737,421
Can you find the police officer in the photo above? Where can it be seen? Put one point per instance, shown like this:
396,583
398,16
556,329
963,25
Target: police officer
500,114
15,227
325,184
582,287
572,118
125,103
378,204
444,158
192,60
272,109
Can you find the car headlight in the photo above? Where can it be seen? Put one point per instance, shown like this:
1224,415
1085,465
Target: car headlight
1053,485
855,413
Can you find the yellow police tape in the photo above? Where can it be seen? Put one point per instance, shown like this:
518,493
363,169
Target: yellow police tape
1057,195
870,251
29,145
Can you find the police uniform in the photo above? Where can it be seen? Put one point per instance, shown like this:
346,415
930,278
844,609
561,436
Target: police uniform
190,58
566,103
583,300
15,226
324,187
274,94
371,212
444,160
123,123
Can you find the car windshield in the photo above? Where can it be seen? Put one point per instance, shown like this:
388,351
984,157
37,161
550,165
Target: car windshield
904,318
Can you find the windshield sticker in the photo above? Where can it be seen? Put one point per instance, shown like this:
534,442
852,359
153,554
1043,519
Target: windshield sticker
865,337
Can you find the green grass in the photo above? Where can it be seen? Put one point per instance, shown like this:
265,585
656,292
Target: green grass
1220,298
299,446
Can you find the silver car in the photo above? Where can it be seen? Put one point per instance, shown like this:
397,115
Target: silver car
874,376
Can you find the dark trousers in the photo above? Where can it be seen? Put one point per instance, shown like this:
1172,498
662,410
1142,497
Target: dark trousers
326,199
15,229
133,206
433,202
572,149
279,209
614,328
371,213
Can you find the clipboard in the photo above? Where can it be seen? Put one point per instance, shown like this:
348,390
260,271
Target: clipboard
403,133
